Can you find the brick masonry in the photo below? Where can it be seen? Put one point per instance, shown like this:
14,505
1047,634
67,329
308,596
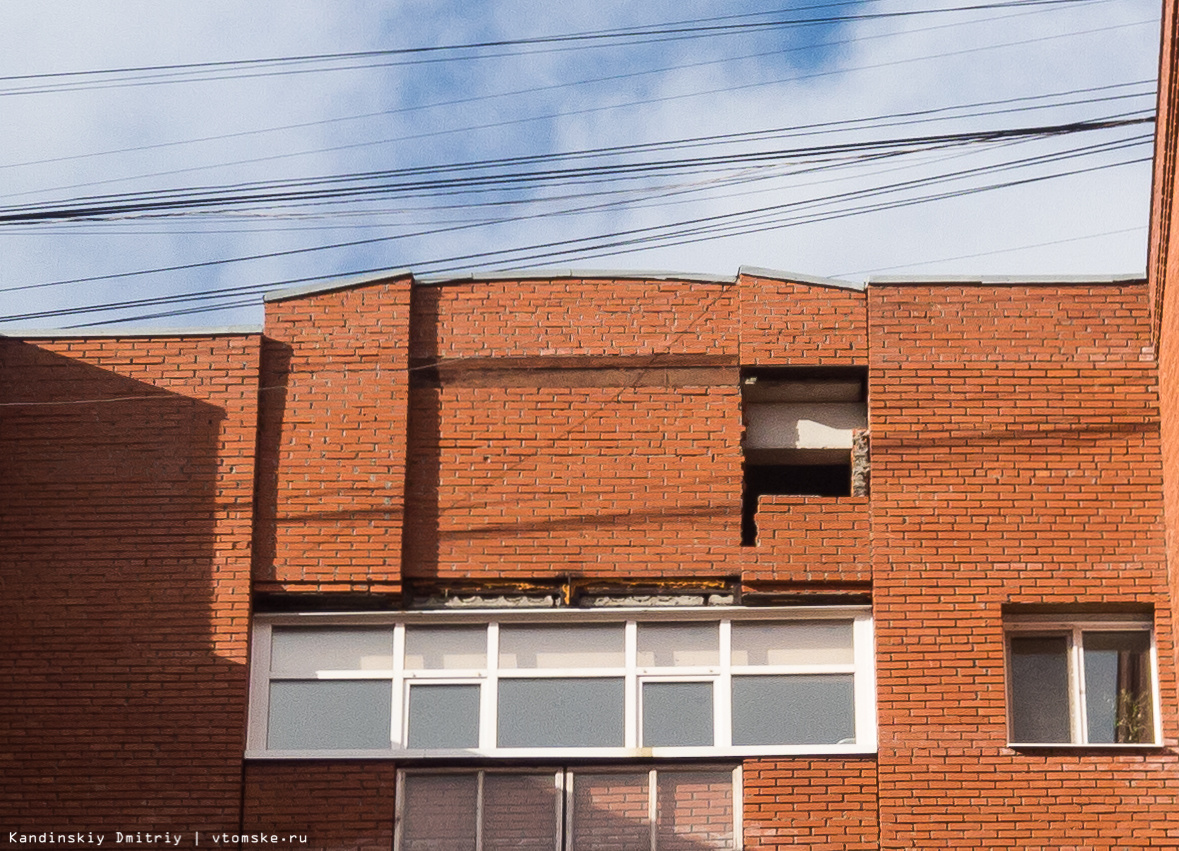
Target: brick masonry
478,433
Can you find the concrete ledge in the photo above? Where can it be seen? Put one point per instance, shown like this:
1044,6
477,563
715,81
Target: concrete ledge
1004,280
793,277
580,274
76,334
333,284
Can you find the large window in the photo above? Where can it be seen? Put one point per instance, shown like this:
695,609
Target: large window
668,682
1083,682
563,809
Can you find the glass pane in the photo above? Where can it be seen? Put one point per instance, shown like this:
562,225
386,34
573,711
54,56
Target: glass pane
1119,705
793,643
678,645
302,651
445,647
329,714
556,713
443,716
561,646
677,714
520,811
611,811
439,812
694,810
793,710
1040,689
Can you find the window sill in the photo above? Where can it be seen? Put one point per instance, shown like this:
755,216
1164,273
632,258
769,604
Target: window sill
1073,746
744,752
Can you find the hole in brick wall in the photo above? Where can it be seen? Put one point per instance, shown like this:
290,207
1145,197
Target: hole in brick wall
803,428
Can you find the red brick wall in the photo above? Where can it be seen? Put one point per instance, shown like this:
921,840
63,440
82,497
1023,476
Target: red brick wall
574,317
332,445
1163,271
811,803
785,323
125,518
338,806
592,427
597,481
810,539
1015,460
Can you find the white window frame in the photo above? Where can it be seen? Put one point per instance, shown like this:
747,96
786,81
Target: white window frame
564,777
862,670
1071,629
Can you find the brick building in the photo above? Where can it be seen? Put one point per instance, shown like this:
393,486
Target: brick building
564,560
604,562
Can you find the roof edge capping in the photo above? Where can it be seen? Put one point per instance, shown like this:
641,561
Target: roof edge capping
793,277
1003,280
78,334
581,274
333,284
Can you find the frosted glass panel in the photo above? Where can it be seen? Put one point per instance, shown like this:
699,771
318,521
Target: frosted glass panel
521,812
1039,690
802,710
325,714
678,645
440,812
553,713
445,647
561,646
302,651
677,715
443,716
1119,701
793,643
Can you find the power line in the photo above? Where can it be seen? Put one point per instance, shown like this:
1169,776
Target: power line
590,110
181,72
709,227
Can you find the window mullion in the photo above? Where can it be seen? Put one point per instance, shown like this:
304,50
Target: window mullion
398,724
630,691
1080,725
479,777
652,807
260,687
489,695
722,699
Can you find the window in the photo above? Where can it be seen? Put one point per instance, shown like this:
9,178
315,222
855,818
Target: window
564,809
1087,682
669,682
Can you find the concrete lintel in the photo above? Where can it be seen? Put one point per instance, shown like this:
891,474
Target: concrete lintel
1003,280
334,284
793,277
578,274
78,334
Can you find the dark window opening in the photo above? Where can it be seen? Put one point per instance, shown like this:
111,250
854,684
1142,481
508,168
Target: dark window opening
805,435
788,480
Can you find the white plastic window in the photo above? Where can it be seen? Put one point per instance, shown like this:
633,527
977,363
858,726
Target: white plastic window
1086,682
568,809
639,683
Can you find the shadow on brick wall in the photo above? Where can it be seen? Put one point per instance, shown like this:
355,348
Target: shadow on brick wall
116,711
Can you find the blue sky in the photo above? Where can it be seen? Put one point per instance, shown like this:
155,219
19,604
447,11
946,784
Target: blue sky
502,102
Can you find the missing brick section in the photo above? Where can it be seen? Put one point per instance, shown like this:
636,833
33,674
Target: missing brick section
805,435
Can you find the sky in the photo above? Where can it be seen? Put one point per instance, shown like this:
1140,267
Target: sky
80,151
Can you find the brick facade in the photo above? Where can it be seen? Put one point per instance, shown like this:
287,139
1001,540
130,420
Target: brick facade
396,441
